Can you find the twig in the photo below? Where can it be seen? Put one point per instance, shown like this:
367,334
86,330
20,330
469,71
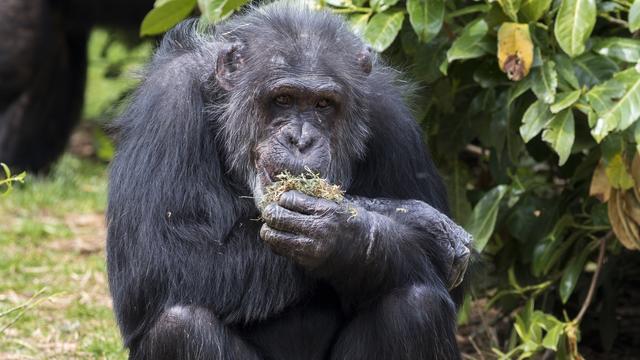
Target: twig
476,150
614,20
475,347
594,279
31,303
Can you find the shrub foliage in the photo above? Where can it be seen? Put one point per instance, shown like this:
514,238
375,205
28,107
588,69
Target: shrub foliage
531,108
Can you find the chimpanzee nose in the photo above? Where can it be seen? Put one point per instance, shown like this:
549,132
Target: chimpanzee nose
302,144
303,139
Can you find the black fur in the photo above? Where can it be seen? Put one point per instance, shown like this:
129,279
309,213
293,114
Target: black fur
42,71
189,274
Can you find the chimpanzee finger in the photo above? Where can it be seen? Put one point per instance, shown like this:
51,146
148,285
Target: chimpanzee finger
305,204
283,219
303,250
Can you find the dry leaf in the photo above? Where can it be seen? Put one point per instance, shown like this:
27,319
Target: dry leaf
573,335
631,206
635,174
626,230
515,50
600,185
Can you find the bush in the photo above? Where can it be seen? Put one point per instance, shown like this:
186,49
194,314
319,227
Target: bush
531,109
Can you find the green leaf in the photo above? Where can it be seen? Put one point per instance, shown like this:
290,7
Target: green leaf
574,23
623,49
560,134
518,89
358,23
533,10
165,16
616,102
534,120
600,97
214,11
510,8
159,3
564,100
383,29
553,246
572,273
6,183
382,5
484,215
552,337
617,172
427,58
636,136
634,16
628,107
426,17
336,3
469,44
593,69
564,67
544,82
601,100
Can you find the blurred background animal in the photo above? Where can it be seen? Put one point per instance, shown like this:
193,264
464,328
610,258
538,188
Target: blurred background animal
43,69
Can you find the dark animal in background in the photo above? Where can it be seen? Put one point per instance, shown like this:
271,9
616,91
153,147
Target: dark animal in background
219,114
42,71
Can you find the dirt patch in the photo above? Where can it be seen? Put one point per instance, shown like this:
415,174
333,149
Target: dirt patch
89,232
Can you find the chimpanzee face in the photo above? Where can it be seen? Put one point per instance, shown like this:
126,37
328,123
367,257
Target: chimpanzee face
293,109
301,117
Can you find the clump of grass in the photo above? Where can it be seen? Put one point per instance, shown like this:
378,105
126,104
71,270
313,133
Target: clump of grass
308,183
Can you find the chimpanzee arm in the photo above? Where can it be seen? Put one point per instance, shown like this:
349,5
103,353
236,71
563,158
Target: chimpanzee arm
363,252
387,259
443,232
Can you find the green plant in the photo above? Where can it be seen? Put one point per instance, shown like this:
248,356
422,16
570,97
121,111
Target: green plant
531,108
308,183
6,183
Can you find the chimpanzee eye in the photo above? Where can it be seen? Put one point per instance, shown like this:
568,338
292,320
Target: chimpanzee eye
283,100
323,103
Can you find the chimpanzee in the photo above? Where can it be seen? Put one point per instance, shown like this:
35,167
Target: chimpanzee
42,71
196,271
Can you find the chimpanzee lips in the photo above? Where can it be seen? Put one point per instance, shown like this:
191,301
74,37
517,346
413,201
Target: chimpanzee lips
265,177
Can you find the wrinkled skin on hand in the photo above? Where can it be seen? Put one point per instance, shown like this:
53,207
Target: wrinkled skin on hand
314,232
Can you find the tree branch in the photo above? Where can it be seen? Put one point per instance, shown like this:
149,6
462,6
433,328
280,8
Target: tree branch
594,279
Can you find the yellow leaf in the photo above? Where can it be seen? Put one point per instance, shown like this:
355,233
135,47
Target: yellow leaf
617,173
515,50
600,185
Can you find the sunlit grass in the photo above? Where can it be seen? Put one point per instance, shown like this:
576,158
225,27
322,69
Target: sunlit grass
52,262
54,299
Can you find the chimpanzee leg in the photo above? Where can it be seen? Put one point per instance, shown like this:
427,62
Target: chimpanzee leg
415,322
187,332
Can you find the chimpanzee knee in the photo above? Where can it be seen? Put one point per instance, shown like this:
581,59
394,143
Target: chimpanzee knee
414,322
189,332
426,315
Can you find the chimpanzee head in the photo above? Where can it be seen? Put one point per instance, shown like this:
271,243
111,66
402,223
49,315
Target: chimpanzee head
295,85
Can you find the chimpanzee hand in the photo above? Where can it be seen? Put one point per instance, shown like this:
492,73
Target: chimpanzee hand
308,229
452,240
361,232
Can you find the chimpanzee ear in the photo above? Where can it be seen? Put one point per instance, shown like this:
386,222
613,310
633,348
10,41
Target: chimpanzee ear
229,61
364,60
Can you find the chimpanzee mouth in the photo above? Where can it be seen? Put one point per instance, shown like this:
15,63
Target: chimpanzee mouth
264,177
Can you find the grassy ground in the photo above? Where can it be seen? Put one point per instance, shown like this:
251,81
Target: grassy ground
54,301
